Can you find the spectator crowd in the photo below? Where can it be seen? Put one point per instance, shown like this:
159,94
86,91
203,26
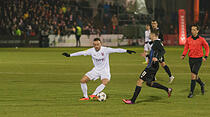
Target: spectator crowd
41,17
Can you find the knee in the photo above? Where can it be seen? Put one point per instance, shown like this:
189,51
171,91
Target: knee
84,79
193,76
105,82
139,82
163,64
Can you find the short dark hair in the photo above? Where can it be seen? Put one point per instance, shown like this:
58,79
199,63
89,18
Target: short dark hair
147,24
97,39
195,25
154,21
156,32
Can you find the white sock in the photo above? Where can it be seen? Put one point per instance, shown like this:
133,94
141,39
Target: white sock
146,59
99,89
84,89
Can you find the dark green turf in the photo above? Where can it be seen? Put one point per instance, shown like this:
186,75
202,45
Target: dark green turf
38,82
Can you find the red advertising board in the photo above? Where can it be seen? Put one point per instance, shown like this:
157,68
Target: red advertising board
182,27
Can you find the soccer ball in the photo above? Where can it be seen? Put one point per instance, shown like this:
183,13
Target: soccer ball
101,96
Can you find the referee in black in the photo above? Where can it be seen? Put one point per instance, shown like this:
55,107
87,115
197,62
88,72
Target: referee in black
154,24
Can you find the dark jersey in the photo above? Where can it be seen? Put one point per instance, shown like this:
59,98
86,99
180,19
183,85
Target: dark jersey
157,51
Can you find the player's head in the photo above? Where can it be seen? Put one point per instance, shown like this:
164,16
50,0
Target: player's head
154,35
97,44
154,24
194,30
147,27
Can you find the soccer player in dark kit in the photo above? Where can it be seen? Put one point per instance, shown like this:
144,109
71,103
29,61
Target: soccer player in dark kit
194,44
149,72
162,62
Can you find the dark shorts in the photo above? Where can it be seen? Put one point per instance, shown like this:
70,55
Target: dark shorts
195,64
78,37
162,59
148,75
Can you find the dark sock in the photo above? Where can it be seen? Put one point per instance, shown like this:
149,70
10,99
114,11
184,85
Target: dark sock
193,83
199,81
159,86
136,93
167,70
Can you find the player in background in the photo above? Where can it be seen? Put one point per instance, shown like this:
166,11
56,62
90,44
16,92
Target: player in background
150,71
194,44
100,58
154,24
147,46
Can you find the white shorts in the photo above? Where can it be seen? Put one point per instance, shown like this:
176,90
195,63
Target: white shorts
147,47
94,75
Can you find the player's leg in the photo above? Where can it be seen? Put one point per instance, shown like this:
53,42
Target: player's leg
83,83
195,65
146,58
150,83
105,78
101,87
139,83
146,49
159,86
91,75
136,92
79,41
198,79
193,76
167,70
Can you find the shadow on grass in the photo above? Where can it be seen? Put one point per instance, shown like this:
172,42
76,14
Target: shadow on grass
197,91
150,99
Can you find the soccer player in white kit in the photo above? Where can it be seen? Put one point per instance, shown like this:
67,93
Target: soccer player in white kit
147,46
100,58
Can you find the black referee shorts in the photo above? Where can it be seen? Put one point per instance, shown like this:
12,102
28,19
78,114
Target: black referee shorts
195,64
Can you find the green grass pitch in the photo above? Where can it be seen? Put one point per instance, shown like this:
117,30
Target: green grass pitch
37,82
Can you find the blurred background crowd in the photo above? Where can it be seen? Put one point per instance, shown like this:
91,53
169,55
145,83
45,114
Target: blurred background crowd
59,17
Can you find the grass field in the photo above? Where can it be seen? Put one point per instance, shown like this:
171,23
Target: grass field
38,82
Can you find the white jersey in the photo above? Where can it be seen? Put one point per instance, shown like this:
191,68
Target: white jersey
147,36
100,58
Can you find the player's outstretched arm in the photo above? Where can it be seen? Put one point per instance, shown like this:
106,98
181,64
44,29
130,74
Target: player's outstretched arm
85,53
118,50
66,54
130,51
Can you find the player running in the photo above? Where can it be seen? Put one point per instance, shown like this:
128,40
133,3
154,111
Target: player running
150,71
100,58
154,24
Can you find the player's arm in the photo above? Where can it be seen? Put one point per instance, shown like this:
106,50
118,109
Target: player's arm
85,53
206,47
119,50
186,47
